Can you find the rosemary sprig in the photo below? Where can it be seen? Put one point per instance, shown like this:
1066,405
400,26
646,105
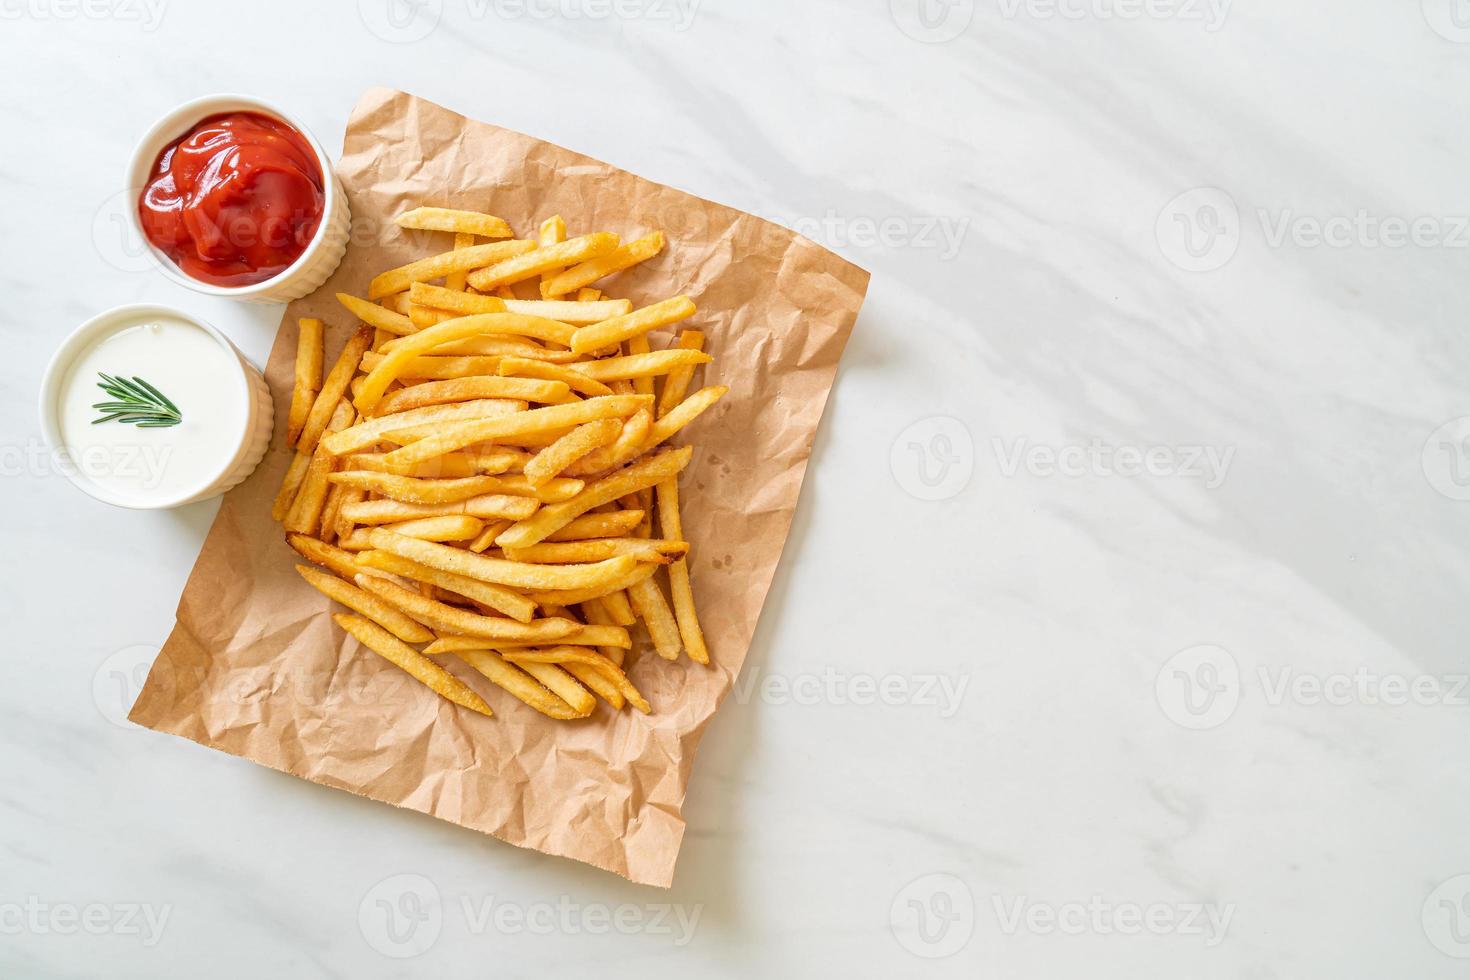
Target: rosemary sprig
135,402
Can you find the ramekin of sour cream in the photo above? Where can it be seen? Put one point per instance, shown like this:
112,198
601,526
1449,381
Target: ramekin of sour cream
146,407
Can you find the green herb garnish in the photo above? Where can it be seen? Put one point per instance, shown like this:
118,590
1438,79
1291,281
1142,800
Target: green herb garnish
136,402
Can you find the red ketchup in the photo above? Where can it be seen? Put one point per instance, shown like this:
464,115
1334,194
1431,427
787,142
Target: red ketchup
235,200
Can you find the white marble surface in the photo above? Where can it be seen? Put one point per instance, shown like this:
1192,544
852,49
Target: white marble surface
1009,172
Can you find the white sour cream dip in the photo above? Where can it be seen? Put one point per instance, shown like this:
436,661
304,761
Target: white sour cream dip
194,371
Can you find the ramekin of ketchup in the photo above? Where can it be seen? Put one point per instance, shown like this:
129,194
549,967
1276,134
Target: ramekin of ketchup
236,199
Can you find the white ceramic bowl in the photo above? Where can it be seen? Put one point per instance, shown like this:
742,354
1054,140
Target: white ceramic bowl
314,265
249,388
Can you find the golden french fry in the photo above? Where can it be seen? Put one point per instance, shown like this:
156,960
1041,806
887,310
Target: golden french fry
498,346
682,414
599,335
620,258
552,231
560,683
444,299
637,366
370,432
328,527
456,280
567,655
527,264
333,388
477,256
565,451
505,324
575,380
458,435
444,527
594,681
420,667
636,346
308,380
520,684
401,625
599,549
500,571
397,302
619,608
290,485
444,368
486,538
345,525
500,599
415,490
651,606
341,562
680,586
461,622
306,511
596,614
471,389
609,525
553,517
567,311
572,597
448,219
590,296
486,506
602,635
626,447
376,316
676,383
499,459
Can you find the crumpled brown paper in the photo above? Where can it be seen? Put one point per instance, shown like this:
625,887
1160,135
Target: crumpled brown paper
256,667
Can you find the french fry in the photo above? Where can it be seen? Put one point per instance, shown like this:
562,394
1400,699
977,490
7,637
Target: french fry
633,366
553,517
619,608
485,506
636,346
394,621
596,614
447,219
505,324
496,597
676,383
599,549
370,432
328,527
445,527
518,575
333,388
340,562
477,256
472,389
682,414
420,667
648,601
520,684
461,434
620,258
566,311
306,511
609,525
461,622
290,485
486,538
680,586
568,655
599,335
575,380
444,299
627,446
528,264
456,280
308,380
376,316
552,231
492,461
560,683
443,368
416,490
549,462
572,597
612,637
589,295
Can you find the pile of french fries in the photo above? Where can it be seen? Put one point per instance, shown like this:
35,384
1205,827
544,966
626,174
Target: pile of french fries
485,471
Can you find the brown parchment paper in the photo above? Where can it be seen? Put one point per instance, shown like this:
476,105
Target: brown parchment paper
256,667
